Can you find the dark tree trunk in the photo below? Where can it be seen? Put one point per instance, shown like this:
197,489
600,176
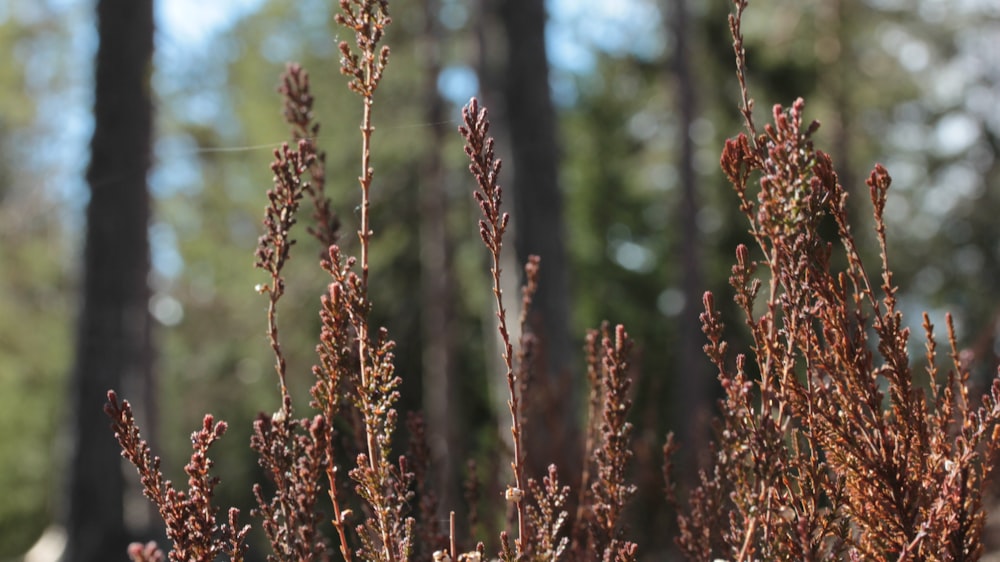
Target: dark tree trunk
436,281
113,342
834,19
489,64
538,220
692,408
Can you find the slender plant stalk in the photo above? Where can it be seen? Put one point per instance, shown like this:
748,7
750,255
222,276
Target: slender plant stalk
298,112
382,484
274,247
746,102
339,514
367,72
364,234
485,167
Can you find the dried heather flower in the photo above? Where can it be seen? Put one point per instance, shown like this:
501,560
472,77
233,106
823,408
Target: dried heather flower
485,168
148,552
274,246
548,516
293,454
834,451
611,490
298,113
189,516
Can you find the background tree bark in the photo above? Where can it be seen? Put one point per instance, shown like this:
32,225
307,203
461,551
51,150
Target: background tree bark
437,286
113,339
539,228
692,398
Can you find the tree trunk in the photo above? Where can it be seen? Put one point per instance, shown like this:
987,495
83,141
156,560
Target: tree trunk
538,222
113,340
692,402
437,311
834,21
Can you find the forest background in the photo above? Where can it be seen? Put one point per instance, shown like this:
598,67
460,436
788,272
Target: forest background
648,221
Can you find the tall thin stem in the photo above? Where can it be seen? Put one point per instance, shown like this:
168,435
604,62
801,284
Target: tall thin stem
368,19
364,235
485,167
274,247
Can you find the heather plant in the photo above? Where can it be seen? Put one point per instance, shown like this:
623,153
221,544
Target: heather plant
829,446
356,387
538,525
